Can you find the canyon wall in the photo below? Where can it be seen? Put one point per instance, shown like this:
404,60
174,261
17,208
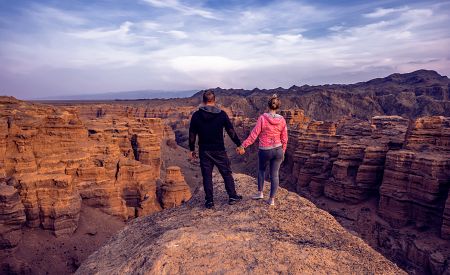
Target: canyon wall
389,178
52,160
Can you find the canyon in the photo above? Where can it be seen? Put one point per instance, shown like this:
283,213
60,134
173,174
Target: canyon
54,161
375,155
388,179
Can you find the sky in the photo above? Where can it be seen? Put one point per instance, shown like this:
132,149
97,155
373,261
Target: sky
52,47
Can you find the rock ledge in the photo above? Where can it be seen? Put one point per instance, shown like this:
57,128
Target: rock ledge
294,237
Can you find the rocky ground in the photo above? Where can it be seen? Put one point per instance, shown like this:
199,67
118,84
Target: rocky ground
294,237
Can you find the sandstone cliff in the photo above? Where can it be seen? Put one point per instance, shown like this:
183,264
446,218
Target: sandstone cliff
51,160
293,237
390,177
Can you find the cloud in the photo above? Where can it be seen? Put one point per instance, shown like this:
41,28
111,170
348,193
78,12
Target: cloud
176,5
100,33
178,34
280,43
46,13
381,12
206,64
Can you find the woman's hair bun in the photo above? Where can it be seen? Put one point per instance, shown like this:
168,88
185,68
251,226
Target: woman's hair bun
274,102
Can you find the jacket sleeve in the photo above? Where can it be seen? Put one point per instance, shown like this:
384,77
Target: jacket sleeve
284,137
230,131
254,133
192,133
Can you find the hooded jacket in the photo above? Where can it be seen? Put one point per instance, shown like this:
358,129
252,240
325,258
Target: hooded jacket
208,123
271,130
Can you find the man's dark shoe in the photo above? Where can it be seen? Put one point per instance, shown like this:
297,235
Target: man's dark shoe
235,199
209,204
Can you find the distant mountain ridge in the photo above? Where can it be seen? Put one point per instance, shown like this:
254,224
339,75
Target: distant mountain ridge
421,78
126,95
410,95
415,94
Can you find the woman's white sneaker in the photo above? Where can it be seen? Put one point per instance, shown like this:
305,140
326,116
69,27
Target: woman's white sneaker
258,196
271,202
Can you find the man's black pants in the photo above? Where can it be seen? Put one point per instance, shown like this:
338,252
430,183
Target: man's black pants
220,159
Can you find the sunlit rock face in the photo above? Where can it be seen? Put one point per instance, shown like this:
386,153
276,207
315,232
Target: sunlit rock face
175,190
54,160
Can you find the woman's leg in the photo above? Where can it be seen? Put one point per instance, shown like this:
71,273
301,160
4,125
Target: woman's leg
275,163
262,164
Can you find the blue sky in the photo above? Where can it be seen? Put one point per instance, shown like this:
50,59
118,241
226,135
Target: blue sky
51,47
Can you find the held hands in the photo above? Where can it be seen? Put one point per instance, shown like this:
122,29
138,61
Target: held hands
240,150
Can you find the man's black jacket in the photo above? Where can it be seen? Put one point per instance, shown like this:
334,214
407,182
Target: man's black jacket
208,123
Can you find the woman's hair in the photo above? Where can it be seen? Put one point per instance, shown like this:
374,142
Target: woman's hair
274,102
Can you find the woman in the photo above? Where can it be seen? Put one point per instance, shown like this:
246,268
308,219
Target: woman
272,132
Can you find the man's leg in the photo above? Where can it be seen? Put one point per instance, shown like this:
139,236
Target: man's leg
223,164
206,166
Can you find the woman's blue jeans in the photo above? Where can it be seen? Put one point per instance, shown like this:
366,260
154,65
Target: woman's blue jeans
273,157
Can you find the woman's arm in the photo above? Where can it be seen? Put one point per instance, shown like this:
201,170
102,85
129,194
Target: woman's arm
254,134
284,137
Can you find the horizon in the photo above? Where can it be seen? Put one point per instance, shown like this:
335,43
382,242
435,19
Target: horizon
52,49
127,95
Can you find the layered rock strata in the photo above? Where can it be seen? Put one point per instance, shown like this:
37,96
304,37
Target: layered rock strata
174,190
54,160
12,216
403,164
417,179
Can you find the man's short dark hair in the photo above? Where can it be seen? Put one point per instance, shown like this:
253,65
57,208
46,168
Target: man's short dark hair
209,96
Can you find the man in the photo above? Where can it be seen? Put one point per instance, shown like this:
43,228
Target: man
208,123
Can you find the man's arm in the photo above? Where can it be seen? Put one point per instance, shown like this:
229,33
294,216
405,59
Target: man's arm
192,133
230,131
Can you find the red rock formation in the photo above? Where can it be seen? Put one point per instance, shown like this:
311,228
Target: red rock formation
416,179
370,172
295,118
445,230
342,185
319,137
430,133
412,188
134,109
12,216
389,130
175,190
57,160
405,164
